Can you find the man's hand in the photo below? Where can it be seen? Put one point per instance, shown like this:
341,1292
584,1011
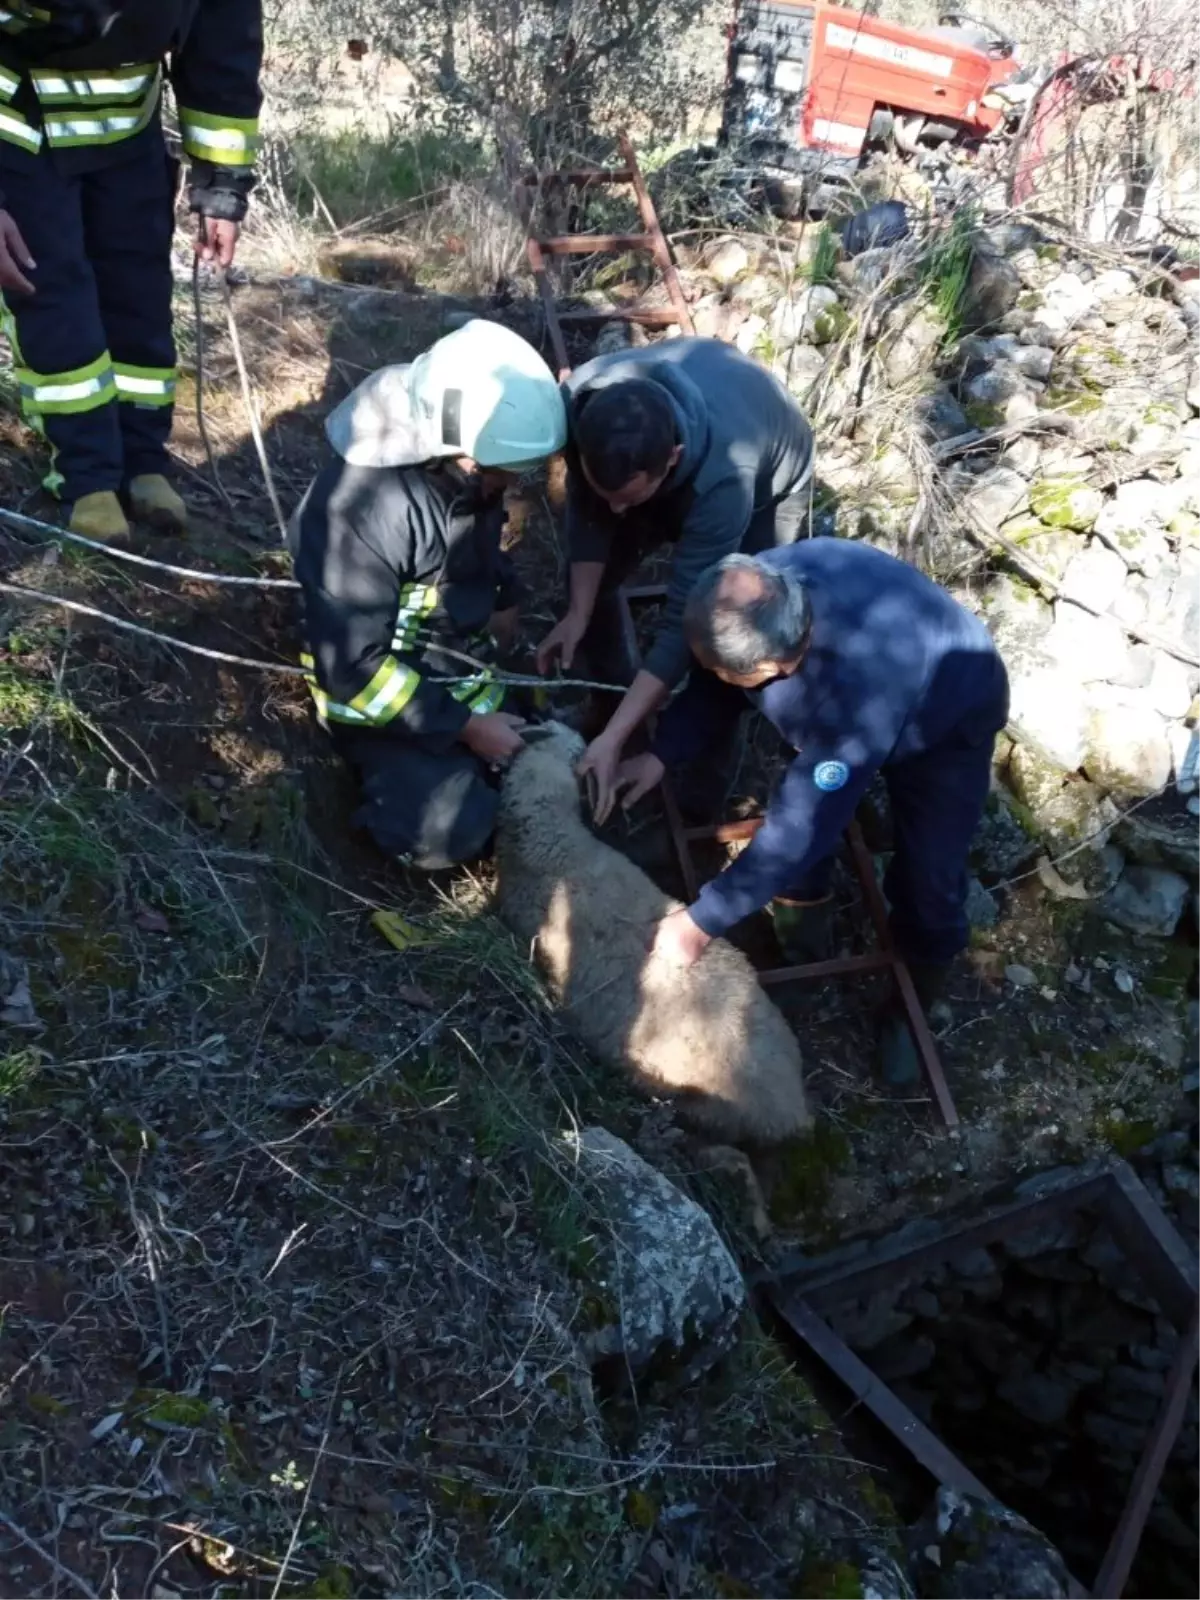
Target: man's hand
13,256
217,240
495,737
599,766
678,941
636,776
502,625
562,641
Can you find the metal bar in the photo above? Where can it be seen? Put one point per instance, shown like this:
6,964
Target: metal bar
650,317
911,1432
1118,1558
580,177
913,1010
838,967
1151,1242
537,263
594,244
888,1264
646,591
658,244
687,867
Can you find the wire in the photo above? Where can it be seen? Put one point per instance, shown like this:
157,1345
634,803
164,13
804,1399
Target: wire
252,411
50,531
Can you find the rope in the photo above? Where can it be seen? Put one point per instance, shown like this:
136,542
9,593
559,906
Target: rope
252,411
50,531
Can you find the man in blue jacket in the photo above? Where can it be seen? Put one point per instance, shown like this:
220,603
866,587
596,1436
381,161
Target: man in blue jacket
863,665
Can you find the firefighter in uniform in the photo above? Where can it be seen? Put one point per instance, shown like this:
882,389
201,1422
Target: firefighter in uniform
397,549
87,194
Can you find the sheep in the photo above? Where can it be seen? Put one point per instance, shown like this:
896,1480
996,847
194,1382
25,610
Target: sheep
708,1038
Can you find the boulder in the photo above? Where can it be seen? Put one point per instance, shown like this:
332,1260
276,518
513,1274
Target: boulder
983,909
676,1292
1113,284
1019,620
1066,810
755,292
1034,360
750,335
1125,747
1001,846
1095,577
815,314
1037,1397
1087,648
995,496
1051,548
996,384
1023,455
1070,296
1138,506
1066,503
1164,838
1147,900
993,287
1050,712
876,227
726,260
911,338
940,415
1170,688
965,1546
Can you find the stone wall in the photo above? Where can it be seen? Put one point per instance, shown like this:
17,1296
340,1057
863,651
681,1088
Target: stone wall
1042,1362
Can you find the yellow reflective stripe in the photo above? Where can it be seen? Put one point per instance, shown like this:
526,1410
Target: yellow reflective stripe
120,83
480,692
226,141
60,393
8,83
417,601
388,692
16,130
67,130
147,386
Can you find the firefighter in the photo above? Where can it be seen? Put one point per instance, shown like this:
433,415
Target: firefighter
397,549
87,199
689,443
863,665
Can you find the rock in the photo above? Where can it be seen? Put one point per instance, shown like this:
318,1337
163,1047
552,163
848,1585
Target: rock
983,909
1090,649
1020,408
1023,455
964,1546
1094,577
1160,840
1066,503
1126,750
1112,284
1001,846
993,287
714,317
1049,547
813,314
1041,1399
1019,620
1147,900
749,335
1033,360
1059,1231
1049,327
727,260
801,368
1066,810
1049,712
903,1357
994,385
1070,296
996,495
940,415
675,1290
911,340
867,1324
16,998
1170,688
1123,1437
876,227
1021,977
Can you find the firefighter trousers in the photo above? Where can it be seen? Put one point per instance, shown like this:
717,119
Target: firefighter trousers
93,347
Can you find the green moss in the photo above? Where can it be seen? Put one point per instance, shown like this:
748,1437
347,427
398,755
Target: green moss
202,808
1072,402
333,1583
26,698
829,1580
878,1501
1113,357
1158,413
46,1405
641,1510
830,324
1048,252
176,1410
810,1165
1067,503
984,414
17,1070
1125,1136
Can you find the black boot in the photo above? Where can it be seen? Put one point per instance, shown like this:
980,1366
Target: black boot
899,1063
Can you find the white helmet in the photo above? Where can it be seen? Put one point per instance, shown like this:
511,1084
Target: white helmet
482,392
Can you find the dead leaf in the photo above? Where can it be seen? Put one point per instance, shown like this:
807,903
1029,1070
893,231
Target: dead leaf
106,1425
151,921
413,995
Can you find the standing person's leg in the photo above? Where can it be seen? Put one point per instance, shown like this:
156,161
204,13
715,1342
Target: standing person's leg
937,802
128,222
781,523
60,352
430,810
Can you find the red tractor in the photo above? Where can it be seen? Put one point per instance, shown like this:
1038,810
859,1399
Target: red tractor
813,90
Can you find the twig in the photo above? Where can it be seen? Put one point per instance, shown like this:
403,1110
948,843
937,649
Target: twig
252,411
148,633
50,531
52,1562
308,1487
201,424
990,539
1044,422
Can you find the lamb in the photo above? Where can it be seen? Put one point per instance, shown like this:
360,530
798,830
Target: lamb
707,1037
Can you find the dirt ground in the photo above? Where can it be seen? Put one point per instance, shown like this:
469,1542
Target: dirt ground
294,1294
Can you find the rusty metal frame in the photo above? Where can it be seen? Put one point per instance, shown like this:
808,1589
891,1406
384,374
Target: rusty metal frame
802,1288
651,240
883,959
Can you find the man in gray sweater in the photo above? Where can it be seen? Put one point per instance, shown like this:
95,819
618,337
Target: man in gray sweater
687,442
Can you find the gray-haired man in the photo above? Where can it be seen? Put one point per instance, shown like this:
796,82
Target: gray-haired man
863,665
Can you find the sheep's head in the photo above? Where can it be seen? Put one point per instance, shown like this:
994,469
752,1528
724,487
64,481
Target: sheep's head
543,774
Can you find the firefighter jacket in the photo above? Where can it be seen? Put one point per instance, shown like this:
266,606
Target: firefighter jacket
400,568
82,81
